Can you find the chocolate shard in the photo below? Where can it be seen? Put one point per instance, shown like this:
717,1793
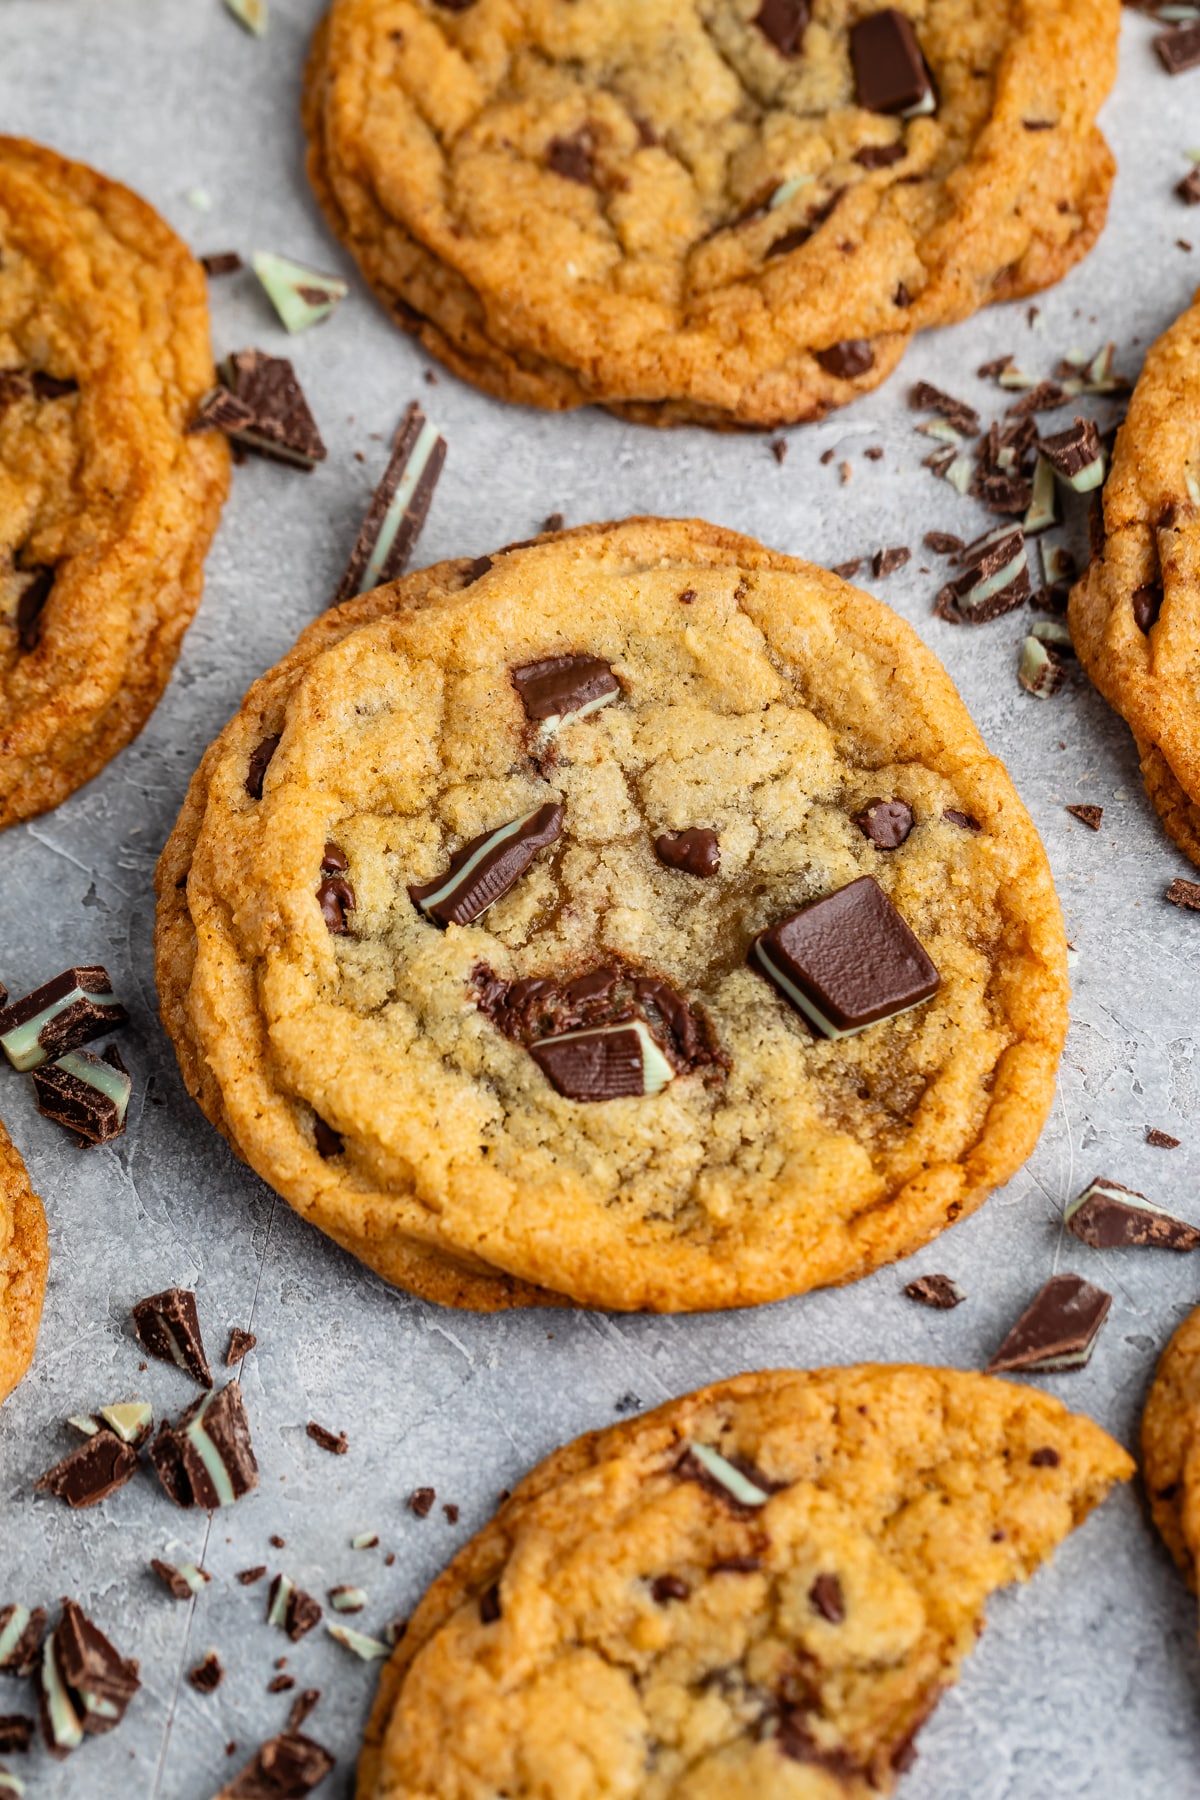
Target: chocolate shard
696,851
16,1734
609,1062
994,581
182,1583
1058,1330
85,1093
827,1598
1162,1140
91,1472
847,570
1179,48
927,398
886,562
21,1633
268,414
291,1609
241,1343
847,360
206,1458
1108,1217
1147,604
208,1675
336,1443
846,961
1185,894
248,1577
1044,396
288,1766
85,1683
1087,815
398,509
70,1010
886,822
168,1327
937,1291
561,687
221,262
1076,455
484,869
889,69
783,23
259,763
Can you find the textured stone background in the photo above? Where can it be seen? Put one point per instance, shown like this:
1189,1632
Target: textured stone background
1085,1684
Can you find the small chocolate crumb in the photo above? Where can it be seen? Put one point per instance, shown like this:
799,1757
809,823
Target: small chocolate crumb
687,596
221,262
304,1703
1185,894
337,1444
573,157
451,1511
248,1577
208,1675
552,522
1162,1140
281,1684
938,1291
848,570
779,449
278,1542
1087,815
421,1500
16,1734
241,1343
886,562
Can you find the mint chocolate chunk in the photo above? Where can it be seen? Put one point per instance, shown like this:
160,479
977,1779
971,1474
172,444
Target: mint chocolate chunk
995,579
399,508
559,687
610,1062
783,23
937,1291
1058,1330
484,869
1179,48
16,1734
86,1093
927,398
85,1684
889,69
300,295
260,406
1076,455
846,961
291,1609
20,1638
206,1458
696,851
182,1583
288,1766
91,1472
168,1326
70,1010
1109,1216
886,822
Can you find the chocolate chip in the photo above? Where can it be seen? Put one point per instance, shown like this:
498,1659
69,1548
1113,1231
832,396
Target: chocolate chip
398,509
1087,815
1185,894
241,1343
886,822
1047,396
168,1326
1179,48
1147,604
259,762
562,685
335,897
248,1577
1108,1216
91,1472
783,23
669,1587
944,543
963,820
487,867
737,1565
847,360
208,1675
421,1500
846,961
32,604
889,70
16,1734
289,1766
573,157
1162,1140
336,1443
927,398
489,1605
53,387
221,262
1058,1330
937,1291
328,1142
696,851
881,156
886,562
827,1598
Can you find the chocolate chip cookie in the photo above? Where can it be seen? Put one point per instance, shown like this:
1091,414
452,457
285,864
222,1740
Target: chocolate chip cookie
107,506
537,913
23,1263
731,211
1170,1440
1136,612
762,1588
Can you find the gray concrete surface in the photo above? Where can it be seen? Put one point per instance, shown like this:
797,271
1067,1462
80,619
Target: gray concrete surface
1086,1682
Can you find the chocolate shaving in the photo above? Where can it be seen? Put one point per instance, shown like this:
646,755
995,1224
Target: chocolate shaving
16,1734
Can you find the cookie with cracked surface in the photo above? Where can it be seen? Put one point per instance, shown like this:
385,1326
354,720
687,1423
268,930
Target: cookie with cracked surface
580,1082
705,209
631,1621
1171,1447
1135,613
24,1259
106,505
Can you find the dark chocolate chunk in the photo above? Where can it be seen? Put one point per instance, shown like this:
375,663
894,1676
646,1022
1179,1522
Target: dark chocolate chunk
669,1587
421,1500
206,1458
336,1443
70,1010
696,851
85,1094
1076,455
886,562
1108,1217
261,407
827,1598
248,1577
485,868
1058,1330
848,360
21,1633
938,1291
1087,815
889,70
783,23
881,156
398,509
292,1609
90,1473
335,897
328,1141
90,1675
241,1343
32,604
1179,48
290,1765
1185,894
573,157
1147,604
846,961
886,822
963,820
927,398
208,1675
562,685
1045,1458
1162,1140
944,543
489,1605
1189,188
168,1326
221,262
607,1062
258,766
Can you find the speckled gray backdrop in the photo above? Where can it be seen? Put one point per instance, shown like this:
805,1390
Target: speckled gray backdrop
1086,1682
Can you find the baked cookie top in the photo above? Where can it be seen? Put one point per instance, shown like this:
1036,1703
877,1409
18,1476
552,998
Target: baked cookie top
747,206
762,1588
23,1263
1135,615
106,507
1171,1446
600,1083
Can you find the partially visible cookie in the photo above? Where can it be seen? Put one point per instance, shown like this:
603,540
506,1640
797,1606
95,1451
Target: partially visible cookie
710,210
760,1589
24,1259
1171,1447
107,506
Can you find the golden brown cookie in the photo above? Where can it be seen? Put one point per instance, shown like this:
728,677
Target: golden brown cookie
705,209
398,1080
24,1259
106,505
1135,615
1171,1447
648,1618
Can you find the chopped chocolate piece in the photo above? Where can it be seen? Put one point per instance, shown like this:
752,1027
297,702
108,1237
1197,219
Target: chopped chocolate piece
1042,511
733,1480
573,157
292,1609
328,1141
369,1649
32,605
995,579
208,1675
300,295
1040,672
827,1598
608,1062
1185,894
489,1605
696,851
1046,396
779,449
20,1638
335,897
91,1472
1087,815
129,1420
484,869
84,1093
1057,1331
241,1343
221,262
347,1599
248,1577
669,1587
889,70
1108,1216
337,1444
85,1684
534,1011
53,387
1147,604
1189,188
847,570
553,522
927,398
206,1458
398,509
1162,1140
783,23
302,1706
848,360
846,961
75,1007
278,1542
561,687
258,766
886,562
937,1291
290,1765
421,1500
1076,455
1179,48
281,1684
16,1734
269,413
451,1511
963,820
882,156
168,1326
886,822
183,1583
